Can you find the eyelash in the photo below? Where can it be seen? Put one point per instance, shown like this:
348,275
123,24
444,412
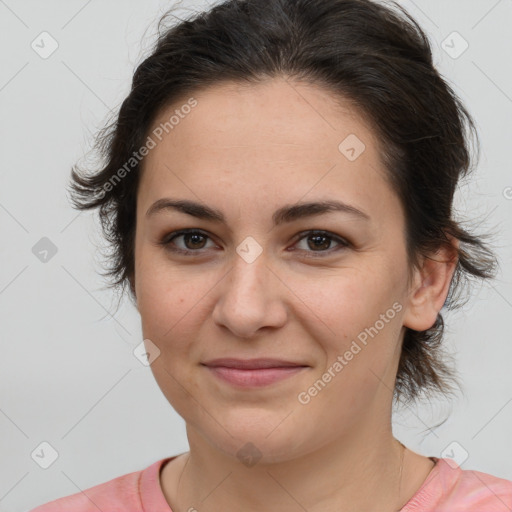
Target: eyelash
166,241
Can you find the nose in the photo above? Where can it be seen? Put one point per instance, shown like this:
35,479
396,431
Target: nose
251,297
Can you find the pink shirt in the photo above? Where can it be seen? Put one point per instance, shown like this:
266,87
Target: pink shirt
447,488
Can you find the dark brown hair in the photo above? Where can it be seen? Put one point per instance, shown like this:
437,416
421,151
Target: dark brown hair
375,56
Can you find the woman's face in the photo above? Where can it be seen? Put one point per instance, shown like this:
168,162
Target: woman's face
256,284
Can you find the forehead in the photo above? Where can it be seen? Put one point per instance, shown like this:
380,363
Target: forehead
271,115
273,139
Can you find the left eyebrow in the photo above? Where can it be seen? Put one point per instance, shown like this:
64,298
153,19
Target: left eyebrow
285,214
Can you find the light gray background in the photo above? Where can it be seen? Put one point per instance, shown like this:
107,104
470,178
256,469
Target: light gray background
68,375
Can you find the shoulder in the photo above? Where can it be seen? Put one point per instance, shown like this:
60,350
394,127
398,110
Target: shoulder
481,491
117,495
453,489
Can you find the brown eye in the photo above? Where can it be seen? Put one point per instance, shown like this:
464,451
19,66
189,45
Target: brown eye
196,240
320,242
192,241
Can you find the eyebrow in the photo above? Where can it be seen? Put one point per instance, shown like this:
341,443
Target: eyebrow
285,214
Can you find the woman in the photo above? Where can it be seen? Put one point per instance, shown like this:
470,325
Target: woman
278,190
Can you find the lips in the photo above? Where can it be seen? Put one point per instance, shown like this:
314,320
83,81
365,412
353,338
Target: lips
253,373
252,364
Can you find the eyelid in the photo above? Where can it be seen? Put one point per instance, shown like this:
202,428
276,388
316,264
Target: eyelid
342,242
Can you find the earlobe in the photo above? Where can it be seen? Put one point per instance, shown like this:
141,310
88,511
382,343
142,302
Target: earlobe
430,289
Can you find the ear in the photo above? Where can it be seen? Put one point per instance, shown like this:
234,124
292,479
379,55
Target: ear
430,287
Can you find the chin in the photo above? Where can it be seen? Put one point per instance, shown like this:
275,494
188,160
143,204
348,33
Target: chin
253,440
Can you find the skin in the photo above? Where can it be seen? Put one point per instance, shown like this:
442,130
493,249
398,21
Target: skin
247,151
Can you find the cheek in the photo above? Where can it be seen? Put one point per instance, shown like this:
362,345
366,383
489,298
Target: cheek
169,303
164,306
172,300
160,294
157,281
346,301
359,312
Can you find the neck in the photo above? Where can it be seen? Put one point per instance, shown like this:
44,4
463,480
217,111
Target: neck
351,474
